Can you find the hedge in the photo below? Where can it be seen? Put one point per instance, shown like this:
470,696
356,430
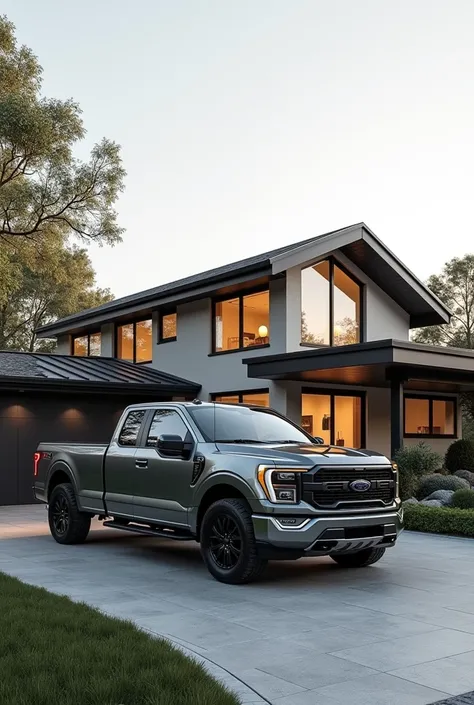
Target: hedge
439,520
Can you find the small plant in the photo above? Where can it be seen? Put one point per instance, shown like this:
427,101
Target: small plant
430,483
463,499
460,456
466,475
413,462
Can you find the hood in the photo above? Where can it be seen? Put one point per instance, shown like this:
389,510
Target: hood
304,454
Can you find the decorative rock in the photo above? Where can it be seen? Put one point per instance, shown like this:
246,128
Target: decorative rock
431,503
443,496
412,500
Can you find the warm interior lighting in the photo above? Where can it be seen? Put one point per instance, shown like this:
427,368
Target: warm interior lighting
263,331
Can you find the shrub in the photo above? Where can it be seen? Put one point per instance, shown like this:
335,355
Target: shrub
439,520
463,499
466,475
460,456
418,459
413,462
430,483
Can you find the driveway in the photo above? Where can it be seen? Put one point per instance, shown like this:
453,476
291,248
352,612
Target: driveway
308,634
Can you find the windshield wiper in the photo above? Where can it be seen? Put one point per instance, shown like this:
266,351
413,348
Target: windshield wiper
237,440
281,443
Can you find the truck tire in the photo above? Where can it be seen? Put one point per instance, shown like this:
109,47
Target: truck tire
228,543
361,559
67,524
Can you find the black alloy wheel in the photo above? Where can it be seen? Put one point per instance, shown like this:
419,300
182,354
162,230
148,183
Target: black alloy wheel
225,542
60,514
67,523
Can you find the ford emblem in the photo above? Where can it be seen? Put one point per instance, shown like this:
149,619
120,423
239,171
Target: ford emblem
360,485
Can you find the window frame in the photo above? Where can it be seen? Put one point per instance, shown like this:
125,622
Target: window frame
241,394
133,322
331,393
240,295
431,398
88,336
161,315
332,263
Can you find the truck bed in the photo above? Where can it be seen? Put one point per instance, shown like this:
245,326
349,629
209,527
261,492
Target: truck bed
84,462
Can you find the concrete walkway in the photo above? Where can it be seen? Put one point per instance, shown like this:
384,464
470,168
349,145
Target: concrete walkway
308,634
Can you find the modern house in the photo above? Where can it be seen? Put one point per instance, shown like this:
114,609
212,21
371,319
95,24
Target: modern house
318,330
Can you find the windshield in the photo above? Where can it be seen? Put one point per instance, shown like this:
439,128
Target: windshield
241,424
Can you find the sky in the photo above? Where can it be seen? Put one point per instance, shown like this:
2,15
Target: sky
251,124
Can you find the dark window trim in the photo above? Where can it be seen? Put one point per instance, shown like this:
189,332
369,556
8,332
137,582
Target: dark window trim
332,393
88,336
240,296
431,398
333,261
161,314
241,393
134,324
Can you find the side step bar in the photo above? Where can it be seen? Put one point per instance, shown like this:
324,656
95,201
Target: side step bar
161,532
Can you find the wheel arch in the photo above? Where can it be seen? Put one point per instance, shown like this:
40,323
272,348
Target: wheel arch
226,487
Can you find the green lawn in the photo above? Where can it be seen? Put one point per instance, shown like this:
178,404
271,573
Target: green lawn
56,652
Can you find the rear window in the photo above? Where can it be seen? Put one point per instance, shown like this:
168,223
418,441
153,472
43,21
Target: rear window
131,428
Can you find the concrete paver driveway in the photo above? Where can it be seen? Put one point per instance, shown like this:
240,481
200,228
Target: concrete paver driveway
308,634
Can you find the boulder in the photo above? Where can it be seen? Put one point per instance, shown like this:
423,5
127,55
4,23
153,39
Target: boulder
443,496
412,500
431,503
466,475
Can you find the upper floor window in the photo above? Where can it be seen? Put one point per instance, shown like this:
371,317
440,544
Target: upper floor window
430,416
86,345
168,327
257,398
242,322
330,305
134,341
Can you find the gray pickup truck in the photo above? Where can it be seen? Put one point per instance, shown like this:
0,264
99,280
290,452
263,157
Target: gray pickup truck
243,481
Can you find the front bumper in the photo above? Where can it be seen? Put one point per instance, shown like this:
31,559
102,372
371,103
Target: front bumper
324,535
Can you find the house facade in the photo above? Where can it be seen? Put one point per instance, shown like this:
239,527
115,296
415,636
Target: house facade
318,330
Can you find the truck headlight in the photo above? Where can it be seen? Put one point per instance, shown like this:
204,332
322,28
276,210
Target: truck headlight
281,486
397,479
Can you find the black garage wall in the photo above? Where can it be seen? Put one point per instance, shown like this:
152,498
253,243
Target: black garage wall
26,419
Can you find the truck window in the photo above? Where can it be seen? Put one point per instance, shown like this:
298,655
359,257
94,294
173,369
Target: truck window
131,428
166,421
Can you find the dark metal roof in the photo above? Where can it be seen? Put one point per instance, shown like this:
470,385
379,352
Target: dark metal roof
374,364
40,369
379,266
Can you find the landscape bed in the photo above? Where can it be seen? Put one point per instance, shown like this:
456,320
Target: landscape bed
57,652
439,520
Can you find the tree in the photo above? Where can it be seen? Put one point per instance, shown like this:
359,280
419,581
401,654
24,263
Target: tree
44,284
306,335
455,287
43,187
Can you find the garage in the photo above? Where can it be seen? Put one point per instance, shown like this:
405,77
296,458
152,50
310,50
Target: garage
67,399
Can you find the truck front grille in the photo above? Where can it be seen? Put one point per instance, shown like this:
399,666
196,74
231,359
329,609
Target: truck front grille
329,487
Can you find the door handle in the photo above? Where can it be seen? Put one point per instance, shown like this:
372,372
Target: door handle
139,463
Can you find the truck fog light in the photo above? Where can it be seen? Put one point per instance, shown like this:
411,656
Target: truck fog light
285,495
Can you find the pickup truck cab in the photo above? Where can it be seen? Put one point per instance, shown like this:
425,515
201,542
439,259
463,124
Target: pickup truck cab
243,481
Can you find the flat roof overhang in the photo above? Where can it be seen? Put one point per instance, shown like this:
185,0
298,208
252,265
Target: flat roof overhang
373,364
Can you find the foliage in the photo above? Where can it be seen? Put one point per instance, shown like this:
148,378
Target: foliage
43,187
455,287
466,475
414,461
460,456
419,459
463,499
346,331
439,520
430,483
306,335
40,283
58,651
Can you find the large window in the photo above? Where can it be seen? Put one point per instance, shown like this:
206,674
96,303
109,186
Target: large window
134,341
337,418
430,416
257,398
86,345
242,322
330,305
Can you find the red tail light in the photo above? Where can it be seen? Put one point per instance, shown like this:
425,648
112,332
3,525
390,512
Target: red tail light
39,455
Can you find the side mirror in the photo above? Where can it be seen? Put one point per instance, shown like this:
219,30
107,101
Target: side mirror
319,440
173,446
